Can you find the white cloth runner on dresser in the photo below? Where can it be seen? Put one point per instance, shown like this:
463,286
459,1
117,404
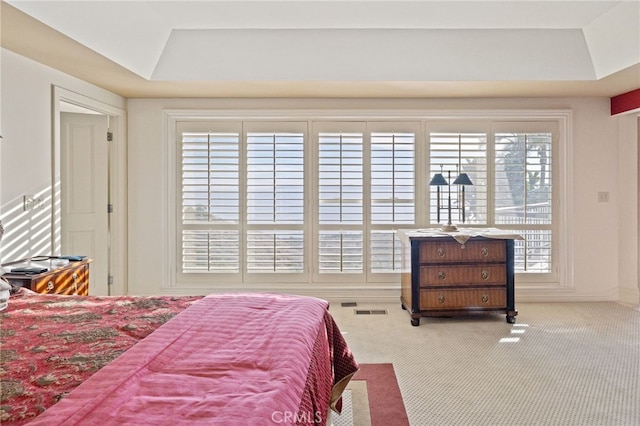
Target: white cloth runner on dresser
462,235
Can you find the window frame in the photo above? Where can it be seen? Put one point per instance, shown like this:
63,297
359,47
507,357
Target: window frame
253,126
426,118
536,127
490,128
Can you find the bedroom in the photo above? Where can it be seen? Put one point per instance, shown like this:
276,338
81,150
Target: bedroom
599,251
600,158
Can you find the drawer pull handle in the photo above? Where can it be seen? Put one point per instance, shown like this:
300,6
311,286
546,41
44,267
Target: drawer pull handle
485,274
484,251
441,252
50,285
75,284
485,298
442,275
441,298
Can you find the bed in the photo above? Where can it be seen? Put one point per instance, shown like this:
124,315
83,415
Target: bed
228,359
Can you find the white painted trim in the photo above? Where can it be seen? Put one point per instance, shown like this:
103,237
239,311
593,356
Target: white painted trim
117,177
629,295
363,114
169,213
388,293
564,117
565,230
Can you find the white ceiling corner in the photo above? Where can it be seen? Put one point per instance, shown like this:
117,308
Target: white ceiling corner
613,38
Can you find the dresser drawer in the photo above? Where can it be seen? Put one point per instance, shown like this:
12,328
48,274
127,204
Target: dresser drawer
67,281
472,251
455,299
449,275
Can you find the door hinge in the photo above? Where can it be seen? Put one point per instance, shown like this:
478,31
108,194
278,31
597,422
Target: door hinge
110,280
109,136
109,208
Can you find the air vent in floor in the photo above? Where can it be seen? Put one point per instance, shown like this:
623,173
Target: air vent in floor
348,304
370,311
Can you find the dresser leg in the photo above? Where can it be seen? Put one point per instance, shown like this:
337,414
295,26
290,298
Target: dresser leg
415,322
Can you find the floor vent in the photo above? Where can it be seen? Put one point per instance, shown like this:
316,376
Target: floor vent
348,304
370,311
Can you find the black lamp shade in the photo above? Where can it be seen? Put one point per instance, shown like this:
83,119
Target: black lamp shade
462,179
438,180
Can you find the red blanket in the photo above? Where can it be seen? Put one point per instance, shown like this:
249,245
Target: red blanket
244,359
50,344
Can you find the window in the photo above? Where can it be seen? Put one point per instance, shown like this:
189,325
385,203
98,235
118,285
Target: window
512,183
340,202
210,201
366,187
452,153
320,201
524,191
275,202
392,200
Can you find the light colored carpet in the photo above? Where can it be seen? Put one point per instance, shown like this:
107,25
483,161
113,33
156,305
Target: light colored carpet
559,364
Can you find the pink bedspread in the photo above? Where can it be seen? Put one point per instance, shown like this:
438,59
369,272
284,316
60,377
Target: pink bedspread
233,359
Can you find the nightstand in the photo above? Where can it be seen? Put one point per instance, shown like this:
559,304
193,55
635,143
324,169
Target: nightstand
71,278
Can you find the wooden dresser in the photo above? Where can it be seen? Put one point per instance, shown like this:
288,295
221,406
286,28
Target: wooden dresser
72,278
443,277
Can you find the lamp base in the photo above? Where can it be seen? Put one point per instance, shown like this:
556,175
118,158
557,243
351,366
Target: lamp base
449,228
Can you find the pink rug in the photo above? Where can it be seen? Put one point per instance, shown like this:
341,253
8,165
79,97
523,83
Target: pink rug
385,400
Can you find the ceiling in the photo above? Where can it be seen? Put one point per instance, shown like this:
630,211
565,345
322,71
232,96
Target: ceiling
348,48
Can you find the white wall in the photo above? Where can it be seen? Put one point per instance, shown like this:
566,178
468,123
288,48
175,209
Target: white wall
628,160
26,160
603,242
594,242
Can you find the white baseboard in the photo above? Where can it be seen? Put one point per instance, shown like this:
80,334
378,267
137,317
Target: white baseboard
390,293
630,296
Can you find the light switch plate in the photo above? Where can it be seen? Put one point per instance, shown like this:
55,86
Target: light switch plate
31,202
603,197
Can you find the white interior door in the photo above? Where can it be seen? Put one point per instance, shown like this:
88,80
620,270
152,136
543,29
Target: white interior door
84,188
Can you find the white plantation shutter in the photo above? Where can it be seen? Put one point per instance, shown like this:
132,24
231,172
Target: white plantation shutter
386,252
256,200
392,178
392,198
341,178
215,251
275,251
210,204
512,183
341,251
524,190
275,202
341,201
459,152
523,178
275,182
